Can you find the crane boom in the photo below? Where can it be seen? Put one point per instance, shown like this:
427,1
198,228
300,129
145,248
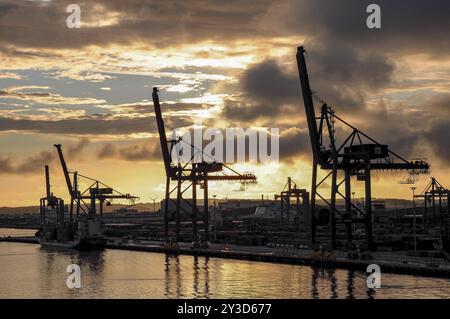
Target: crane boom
65,170
162,133
309,105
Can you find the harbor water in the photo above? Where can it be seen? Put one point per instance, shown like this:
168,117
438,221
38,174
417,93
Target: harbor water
29,271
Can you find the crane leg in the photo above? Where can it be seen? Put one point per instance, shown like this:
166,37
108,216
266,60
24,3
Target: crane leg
368,190
177,214
194,211
166,211
313,203
205,207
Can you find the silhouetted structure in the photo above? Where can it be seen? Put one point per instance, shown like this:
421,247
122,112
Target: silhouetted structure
358,155
292,197
436,198
193,173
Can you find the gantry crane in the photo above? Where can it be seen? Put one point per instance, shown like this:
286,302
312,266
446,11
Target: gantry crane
193,172
56,203
358,155
85,201
291,196
437,197
86,231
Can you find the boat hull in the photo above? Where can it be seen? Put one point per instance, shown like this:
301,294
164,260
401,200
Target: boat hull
62,245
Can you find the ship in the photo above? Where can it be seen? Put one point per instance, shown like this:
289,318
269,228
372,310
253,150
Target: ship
86,233
78,225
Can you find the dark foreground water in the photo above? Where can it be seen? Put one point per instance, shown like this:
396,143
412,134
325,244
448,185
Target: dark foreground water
29,271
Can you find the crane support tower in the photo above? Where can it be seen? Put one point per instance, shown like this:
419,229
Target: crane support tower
356,155
190,175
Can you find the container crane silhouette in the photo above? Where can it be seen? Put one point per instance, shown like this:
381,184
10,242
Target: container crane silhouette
358,155
188,176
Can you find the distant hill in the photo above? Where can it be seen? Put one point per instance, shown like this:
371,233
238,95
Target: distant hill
107,209
19,210
390,203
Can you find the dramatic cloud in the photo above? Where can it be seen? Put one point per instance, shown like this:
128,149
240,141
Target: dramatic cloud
294,143
145,151
18,165
339,74
76,151
43,24
268,83
228,63
438,137
30,165
242,112
44,97
90,125
167,108
345,21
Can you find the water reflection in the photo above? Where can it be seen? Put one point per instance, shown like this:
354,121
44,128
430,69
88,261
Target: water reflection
350,284
206,270
314,290
333,283
196,277
28,271
371,293
176,278
52,265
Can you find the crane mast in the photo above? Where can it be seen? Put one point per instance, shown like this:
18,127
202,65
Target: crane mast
357,155
194,174
162,133
309,105
65,170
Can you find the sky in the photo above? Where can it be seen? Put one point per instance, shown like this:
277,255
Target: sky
222,63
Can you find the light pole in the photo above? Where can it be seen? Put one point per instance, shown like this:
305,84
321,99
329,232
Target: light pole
353,210
214,216
353,198
154,204
414,218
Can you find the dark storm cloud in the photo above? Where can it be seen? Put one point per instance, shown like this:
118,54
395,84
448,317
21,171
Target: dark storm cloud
338,74
161,23
407,26
294,143
439,104
439,139
268,83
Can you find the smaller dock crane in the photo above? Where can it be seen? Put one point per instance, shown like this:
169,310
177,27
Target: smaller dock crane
193,173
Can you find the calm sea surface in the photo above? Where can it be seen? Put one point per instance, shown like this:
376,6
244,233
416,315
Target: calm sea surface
29,271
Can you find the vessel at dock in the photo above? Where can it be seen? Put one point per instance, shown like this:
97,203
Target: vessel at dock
88,235
78,225
57,232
